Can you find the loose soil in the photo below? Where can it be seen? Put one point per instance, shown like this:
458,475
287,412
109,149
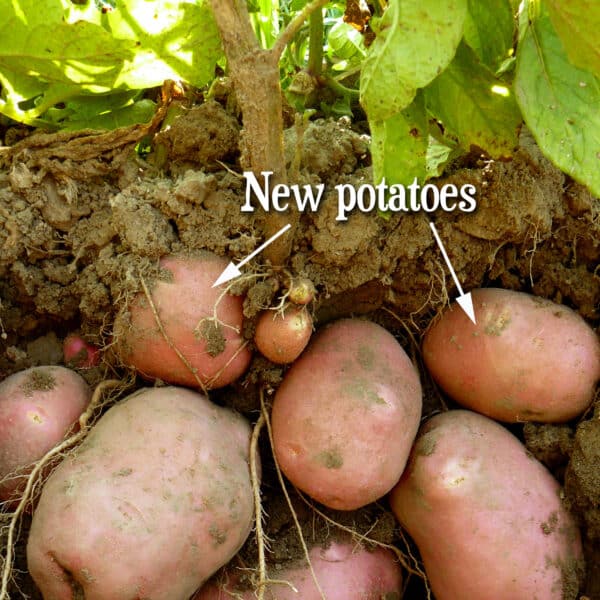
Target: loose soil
84,217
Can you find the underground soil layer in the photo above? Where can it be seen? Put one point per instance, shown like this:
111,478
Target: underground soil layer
85,218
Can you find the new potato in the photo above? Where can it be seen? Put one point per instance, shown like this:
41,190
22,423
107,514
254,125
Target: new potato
486,516
526,359
185,304
344,570
346,414
155,500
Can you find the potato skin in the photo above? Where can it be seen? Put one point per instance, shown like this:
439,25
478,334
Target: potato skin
38,407
527,359
486,515
344,570
155,500
182,303
346,414
282,337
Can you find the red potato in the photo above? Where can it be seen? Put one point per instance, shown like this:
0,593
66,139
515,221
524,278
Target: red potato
486,516
283,337
38,408
527,359
79,354
346,414
156,499
185,303
345,571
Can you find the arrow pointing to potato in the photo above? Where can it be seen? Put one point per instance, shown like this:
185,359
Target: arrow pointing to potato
232,271
464,300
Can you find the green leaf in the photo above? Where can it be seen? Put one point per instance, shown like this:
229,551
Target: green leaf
138,112
344,42
560,103
474,105
174,40
415,42
489,30
577,23
438,156
45,59
399,145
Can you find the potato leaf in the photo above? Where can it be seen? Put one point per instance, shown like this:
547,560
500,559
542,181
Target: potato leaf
489,31
415,42
399,145
559,102
475,106
45,59
577,23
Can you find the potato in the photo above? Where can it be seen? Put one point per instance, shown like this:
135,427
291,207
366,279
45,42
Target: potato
38,408
185,302
282,337
486,516
155,500
79,354
346,414
527,359
344,570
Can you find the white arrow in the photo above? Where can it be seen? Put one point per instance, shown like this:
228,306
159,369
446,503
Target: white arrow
464,300
232,271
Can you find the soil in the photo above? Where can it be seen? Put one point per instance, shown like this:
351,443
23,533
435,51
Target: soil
84,217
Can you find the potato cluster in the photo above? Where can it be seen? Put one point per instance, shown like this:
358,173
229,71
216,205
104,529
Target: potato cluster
159,496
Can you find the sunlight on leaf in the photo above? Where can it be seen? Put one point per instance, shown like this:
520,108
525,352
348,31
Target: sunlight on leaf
559,103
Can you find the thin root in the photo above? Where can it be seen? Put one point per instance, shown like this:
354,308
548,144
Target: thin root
167,339
258,512
286,494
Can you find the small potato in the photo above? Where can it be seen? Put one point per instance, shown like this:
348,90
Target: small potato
301,291
185,304
79,354
486,516
282,337
38,408
345,571
527,359
155,500
346,414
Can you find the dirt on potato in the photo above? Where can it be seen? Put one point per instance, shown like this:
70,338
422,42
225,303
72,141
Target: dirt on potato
85,218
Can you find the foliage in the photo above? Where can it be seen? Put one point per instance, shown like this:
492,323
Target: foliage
435,78
55,52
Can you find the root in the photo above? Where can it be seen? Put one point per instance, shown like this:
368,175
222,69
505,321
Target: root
287,496
258,511
167,339
536,240
33,478
220,371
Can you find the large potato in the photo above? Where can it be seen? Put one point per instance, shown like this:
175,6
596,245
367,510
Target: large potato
486,516
185,304
155,500
38,408
344,570
346,414
527,359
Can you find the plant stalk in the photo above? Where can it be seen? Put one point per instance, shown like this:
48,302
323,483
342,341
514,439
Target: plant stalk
255,75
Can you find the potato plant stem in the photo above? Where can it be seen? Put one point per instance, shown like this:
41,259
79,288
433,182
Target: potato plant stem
254,72
315,48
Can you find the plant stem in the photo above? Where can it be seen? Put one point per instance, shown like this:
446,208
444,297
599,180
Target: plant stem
286,36
315,48
255,75
254,72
